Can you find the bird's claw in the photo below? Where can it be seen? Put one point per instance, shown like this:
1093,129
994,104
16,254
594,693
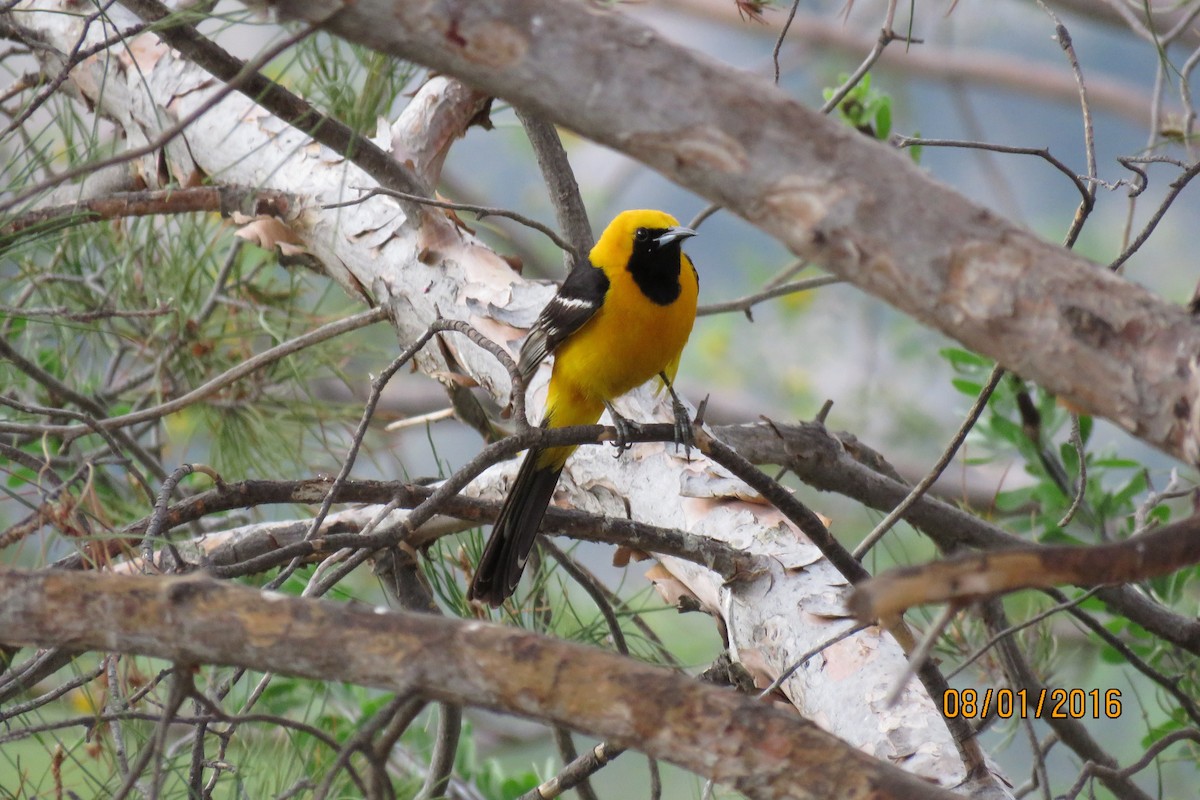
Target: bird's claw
683,430
626,430
683,424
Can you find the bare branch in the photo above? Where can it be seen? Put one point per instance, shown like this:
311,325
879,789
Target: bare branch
968,577
479,211
717,733
744,304
560,181
224,199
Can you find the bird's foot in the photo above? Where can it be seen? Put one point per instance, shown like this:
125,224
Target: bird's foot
626,430
683,428
683,423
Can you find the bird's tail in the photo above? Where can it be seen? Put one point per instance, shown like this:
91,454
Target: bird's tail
516,527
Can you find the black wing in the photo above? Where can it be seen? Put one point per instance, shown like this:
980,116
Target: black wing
580,297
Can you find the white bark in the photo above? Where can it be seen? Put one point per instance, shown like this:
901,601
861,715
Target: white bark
426,267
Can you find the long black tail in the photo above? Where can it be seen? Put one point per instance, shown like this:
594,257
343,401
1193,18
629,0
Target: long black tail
516,527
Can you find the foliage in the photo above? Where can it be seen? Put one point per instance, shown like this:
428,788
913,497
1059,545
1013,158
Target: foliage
1026,425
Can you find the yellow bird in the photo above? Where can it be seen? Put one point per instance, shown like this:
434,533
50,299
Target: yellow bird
615,323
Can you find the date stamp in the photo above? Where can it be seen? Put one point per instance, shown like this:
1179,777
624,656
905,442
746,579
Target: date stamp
1022,704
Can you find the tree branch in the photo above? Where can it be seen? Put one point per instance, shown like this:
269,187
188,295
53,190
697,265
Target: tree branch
762,751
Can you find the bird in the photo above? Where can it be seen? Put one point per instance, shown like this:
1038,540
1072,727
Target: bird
618,320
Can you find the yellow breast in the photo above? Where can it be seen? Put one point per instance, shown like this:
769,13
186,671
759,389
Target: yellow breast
629,341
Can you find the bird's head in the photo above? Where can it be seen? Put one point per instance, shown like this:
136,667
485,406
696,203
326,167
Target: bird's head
641,236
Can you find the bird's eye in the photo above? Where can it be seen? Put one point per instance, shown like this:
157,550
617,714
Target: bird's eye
641,234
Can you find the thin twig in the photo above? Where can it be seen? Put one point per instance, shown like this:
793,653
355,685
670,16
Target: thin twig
1176,186
560,182
360,740
590,584
481,211
799,662
327,331
154,529
356,557
886,36
569,755
744,304
1175,488
1182,25
116,706
250,69
180,687
1089,134
1040,775
445,749
1168,683
1017,628
1152,752
223,199
377,387
787,24
10,712
920,654
1081,481
64,313
572,774
939,467
420,419
117,441
1040,152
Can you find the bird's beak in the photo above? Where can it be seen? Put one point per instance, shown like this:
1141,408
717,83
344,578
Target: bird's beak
674,235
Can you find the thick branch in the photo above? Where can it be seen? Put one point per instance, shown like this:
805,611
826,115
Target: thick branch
287,540
966,578
762,751
1107,345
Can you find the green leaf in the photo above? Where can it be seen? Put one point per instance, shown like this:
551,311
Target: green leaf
1014,498
1112,462
1070,457
1086,424
915,150
1123,498
961,359
1006,429
968,387
883,119
1161,515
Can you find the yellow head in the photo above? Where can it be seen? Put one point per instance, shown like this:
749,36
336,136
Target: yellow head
646,244
617,241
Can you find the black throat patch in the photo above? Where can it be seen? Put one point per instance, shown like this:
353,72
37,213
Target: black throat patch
655,268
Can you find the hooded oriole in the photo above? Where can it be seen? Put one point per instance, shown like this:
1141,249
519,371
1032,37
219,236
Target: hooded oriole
614,324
